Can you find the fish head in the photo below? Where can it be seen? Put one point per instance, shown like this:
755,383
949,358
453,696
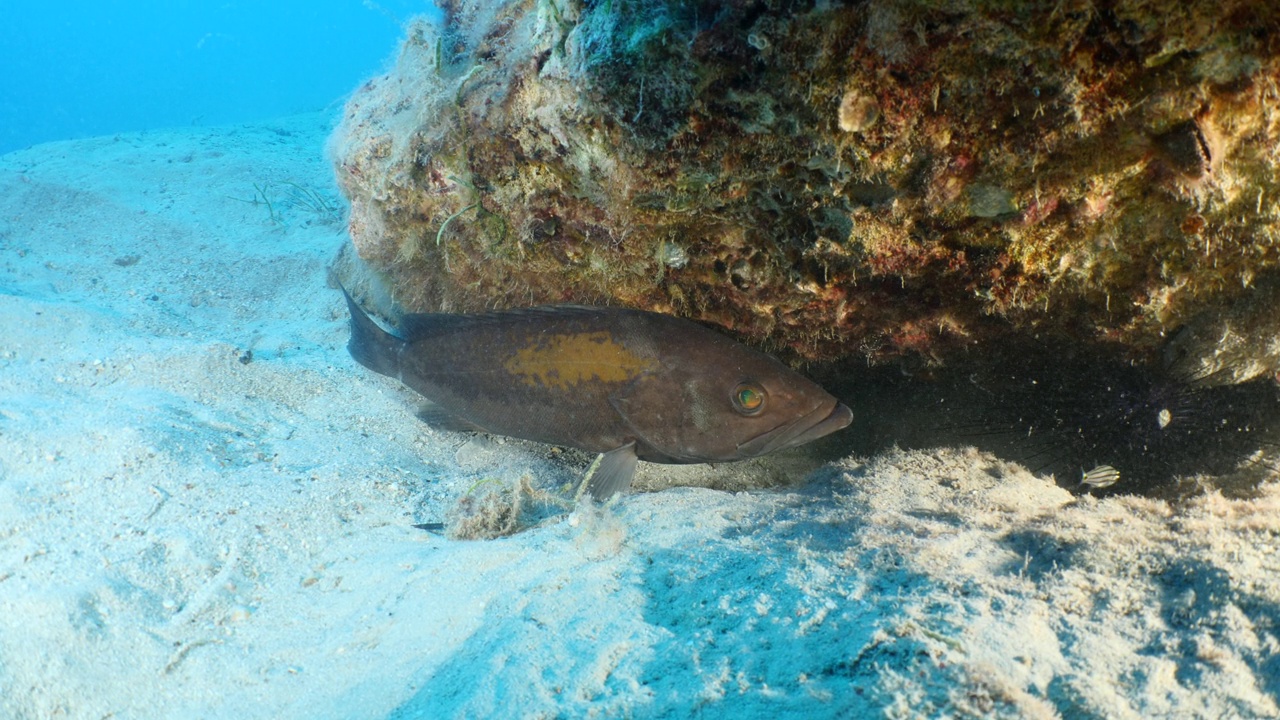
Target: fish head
732,403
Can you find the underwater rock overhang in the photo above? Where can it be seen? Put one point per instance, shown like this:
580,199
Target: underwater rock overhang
890,180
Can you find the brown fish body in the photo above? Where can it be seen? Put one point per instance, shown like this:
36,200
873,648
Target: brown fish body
627,383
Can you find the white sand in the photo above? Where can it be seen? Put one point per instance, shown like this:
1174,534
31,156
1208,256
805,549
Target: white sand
184,534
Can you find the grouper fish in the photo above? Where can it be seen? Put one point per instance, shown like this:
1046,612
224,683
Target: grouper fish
629,384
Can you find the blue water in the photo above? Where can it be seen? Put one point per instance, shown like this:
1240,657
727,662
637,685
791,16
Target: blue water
96,67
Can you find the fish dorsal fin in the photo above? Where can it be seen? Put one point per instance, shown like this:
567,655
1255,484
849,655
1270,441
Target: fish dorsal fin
610,474
416,326
423,325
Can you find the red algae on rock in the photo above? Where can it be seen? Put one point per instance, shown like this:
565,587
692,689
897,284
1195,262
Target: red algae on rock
887,179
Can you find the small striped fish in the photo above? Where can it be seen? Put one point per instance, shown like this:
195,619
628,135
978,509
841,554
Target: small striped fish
1100,477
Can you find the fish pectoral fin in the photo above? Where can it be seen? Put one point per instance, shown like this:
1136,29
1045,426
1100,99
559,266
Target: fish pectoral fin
441,419
629,408
610,474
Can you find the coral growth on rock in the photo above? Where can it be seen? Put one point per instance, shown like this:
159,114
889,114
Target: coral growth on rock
885,179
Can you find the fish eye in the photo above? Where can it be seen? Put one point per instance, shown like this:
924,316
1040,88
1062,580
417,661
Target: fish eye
748,398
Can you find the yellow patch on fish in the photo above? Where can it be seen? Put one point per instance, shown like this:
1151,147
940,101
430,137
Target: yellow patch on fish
564,361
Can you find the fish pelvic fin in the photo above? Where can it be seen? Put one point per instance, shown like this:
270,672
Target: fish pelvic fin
370,345
610,474
441,419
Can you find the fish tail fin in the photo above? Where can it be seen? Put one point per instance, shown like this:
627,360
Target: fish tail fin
370,345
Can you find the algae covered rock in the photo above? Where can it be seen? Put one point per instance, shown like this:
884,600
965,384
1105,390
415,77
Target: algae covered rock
884,179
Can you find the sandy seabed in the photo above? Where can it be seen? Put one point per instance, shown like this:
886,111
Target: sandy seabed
207,509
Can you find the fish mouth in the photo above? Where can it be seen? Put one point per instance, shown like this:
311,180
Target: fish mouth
806,428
